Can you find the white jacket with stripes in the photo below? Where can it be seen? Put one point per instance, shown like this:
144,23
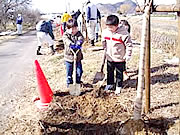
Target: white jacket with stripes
117,44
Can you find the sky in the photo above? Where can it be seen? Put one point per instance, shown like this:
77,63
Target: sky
56,6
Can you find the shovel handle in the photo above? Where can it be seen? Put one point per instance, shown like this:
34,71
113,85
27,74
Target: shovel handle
75,57
103,62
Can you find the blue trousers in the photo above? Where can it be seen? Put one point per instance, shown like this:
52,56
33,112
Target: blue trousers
69,72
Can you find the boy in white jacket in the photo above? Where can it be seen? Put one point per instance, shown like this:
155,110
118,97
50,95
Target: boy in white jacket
118,45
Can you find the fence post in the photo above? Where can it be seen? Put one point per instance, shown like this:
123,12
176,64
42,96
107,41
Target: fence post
178,47
147,64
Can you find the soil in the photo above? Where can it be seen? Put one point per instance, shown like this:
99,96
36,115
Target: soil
96,112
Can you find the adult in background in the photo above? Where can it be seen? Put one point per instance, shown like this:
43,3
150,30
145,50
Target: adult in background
65,17
76,14
98,25
19,21
45,35
78,18
92,15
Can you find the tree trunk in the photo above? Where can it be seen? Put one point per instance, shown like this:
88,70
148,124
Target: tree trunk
144,42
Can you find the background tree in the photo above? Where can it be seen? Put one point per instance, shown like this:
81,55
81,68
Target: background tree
10,8
124,9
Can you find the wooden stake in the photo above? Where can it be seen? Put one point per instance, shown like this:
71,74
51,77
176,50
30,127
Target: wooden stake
178,48
144,41
147,65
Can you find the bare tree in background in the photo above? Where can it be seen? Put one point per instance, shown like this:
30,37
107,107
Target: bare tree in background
124,9
10,8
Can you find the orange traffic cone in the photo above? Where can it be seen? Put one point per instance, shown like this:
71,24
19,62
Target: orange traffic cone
45,91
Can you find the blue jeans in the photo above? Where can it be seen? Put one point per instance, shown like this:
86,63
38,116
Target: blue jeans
69,72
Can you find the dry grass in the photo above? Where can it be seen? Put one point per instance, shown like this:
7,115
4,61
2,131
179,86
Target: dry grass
163,33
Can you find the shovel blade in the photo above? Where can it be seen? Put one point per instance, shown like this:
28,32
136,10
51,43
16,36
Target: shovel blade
99,76
74,89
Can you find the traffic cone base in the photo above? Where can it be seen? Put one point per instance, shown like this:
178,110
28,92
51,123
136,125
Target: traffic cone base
41,105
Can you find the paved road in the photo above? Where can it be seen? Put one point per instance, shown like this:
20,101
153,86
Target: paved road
16,59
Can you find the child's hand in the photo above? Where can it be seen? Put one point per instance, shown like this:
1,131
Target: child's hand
75,46
127,57
79,42
72,46
78,46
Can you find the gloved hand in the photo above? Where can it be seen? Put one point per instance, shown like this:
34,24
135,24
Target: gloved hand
75,46
72,46
78,46
79,42
87,21
127,57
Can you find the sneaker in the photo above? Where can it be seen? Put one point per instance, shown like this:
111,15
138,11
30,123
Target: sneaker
109,87
38,53
53,53
118,90
92,43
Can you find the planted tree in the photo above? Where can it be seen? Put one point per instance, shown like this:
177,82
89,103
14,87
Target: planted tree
144,42
124,9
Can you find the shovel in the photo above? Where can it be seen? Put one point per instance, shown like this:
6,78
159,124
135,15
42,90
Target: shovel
74,89
99,76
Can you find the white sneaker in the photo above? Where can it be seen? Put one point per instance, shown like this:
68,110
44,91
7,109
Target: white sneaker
118,90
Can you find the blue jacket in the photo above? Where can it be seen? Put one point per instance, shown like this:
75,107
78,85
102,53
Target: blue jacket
76,15
92,12
19,20
47,28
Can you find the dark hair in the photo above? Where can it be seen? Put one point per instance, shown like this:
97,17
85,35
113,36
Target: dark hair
126,23
72,23
112,20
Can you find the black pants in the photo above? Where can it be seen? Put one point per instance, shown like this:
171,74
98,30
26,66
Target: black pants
64,26
119,67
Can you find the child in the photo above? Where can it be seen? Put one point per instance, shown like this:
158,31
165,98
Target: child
73,39
118,45
126,25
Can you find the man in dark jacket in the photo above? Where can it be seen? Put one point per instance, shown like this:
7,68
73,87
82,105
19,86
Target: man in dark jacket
76,14
45,35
